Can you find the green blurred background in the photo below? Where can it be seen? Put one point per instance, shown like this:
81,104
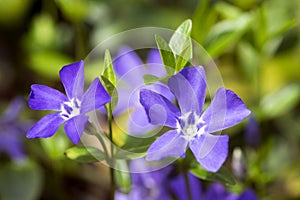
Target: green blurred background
255,44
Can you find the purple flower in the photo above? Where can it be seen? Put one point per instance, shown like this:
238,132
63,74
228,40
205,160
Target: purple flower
130,70
252,134
217,191
190,127
150,185
70,108
11,130
179,190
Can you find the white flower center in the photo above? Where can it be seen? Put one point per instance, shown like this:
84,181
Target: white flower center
190,125
70,109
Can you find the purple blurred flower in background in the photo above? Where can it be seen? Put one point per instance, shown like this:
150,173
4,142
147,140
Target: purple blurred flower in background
150,185
217,191
12,130
179,190
190,126
252,133
130,70
70,108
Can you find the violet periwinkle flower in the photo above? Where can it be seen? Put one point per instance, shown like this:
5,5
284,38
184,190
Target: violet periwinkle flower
130,70
150,185
179,190
217,191
190,126
252,134
70,108
11,131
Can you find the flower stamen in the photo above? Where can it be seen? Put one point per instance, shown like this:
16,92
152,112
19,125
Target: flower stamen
70,108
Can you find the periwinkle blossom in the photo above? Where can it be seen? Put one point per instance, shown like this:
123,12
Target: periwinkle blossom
70,108
130,70
150,185
252,134
217,191
190,126
12,130
214,191
178,187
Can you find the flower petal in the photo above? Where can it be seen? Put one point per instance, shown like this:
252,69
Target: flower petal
248,195
95,97
154,56
189,88
74,127
225,110
45,127
210,151
160,110
217,191
138,122
14,108
72,77
154,64
169,144
45,98
179,188
128,66
12,144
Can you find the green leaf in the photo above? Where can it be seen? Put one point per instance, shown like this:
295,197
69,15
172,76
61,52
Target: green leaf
138,145
20,182
85,154
56,145
166,54
112,91
122,176
181,43
181,60
149,79
281,101
222,176
283,28
225,33
109,72
48,63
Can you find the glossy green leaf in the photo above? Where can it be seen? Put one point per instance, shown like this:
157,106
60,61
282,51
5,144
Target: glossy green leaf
166,54
122,176
112,91
222,176
109,72
181,43
281,101
85,154
20,182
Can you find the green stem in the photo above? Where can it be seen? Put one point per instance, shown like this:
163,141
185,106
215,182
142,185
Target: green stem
112,178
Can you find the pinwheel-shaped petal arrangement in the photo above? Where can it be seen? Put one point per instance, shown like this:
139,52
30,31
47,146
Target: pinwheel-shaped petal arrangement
190,126
70,108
